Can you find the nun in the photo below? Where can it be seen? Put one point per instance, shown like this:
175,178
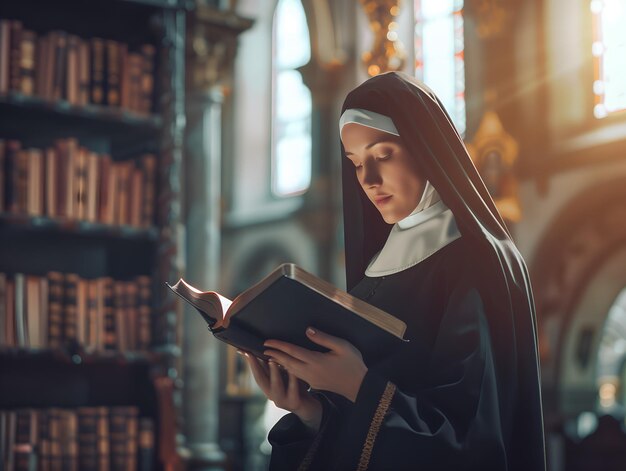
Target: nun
425,243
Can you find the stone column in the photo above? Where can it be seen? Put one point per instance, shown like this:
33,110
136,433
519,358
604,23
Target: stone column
211,46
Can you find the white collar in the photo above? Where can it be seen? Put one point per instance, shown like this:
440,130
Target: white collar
413,239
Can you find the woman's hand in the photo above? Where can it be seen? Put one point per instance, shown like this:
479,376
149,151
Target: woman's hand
341,370
292,397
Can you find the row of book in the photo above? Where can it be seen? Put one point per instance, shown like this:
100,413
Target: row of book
69,181
65,310
82,439
62,66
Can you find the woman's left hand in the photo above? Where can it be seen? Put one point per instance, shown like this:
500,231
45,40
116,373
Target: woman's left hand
341,370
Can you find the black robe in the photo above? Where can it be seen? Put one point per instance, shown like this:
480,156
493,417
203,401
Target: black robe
436,403
465,393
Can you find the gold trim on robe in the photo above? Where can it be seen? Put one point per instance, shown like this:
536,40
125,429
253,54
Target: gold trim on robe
377,420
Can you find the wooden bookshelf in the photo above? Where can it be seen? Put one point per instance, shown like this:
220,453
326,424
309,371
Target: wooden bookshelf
73,377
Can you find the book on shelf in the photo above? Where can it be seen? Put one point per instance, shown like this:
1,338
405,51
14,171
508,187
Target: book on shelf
68,180
64,309
61,66
284,304
85,438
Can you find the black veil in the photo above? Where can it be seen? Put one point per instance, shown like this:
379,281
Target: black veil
428,133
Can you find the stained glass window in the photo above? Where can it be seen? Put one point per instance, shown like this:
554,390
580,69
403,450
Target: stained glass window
291,101
609,50
439,48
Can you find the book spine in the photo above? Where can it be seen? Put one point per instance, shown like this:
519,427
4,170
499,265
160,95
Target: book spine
11,425
97,71
80,184
70,309
3,310
117,434
106,211
113,75
2,173
132,430
135,62
148,53
33,312
40,66
92,186
60,66
43,305
10,313
104,441
119,294
50,66
55,418
124,78
11,176
20,317
110,330
22,181
88,439
5,55
25,440
52,176
55,309
71,81
146,445
144,301
148,167
34,194
44,455
69,440
83,72
123,172
92,316
82,321
136,197
28,43
15,42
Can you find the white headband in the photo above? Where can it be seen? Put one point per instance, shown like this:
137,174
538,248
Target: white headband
369,119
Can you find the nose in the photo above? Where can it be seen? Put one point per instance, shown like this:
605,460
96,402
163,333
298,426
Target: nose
370,176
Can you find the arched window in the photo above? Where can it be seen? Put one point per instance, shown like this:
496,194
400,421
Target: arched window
609,50
291,101
439,48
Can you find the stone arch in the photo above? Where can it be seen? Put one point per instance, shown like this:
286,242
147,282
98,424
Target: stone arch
578,245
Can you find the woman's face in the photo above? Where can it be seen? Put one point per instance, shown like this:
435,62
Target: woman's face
387,173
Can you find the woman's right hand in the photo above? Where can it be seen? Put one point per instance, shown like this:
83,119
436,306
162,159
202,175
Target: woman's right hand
292,397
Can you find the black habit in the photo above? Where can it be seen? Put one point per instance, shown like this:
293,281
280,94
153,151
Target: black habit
463,393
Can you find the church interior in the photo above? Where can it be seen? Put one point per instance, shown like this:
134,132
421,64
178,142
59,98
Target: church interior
142,141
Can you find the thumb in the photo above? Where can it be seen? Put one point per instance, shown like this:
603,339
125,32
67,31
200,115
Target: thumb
324,339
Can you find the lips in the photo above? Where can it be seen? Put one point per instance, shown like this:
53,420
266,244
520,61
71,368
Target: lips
382,199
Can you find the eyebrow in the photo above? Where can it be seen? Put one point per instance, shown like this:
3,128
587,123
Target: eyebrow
372,144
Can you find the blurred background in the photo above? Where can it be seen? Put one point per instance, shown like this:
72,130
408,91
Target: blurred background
205,138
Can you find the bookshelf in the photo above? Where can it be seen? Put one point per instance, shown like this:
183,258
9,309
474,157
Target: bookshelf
106,382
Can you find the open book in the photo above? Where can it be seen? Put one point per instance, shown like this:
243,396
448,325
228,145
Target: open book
283,304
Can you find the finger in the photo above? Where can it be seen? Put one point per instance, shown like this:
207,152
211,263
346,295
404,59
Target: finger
290,349
277,388
290,363
326,340
293,388
260,372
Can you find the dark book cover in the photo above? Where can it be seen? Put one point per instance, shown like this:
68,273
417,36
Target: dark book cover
3,309
97,72
145,454
21,186
144,302
121,436
113,73
148,167
284,304
11,173
55,309
2,173
110,323
43,446
148,54
60,67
